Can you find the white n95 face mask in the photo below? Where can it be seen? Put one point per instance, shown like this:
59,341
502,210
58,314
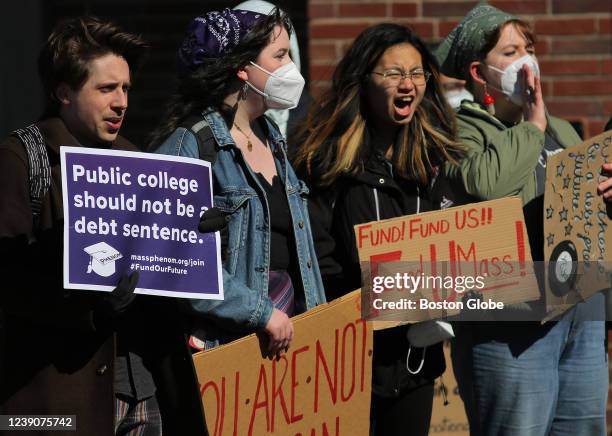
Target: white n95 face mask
426,333
422,335
510,84
455,97
283,87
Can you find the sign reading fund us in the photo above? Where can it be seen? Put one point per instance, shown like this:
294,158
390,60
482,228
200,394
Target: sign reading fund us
128,211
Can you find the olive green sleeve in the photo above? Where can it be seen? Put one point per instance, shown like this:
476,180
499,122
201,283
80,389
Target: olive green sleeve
498,163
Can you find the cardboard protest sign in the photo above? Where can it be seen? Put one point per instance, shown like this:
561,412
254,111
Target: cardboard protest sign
445,253
128,211
448,419
576,225
321,386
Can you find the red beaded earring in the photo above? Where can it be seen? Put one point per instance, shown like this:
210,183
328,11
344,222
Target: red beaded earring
489,101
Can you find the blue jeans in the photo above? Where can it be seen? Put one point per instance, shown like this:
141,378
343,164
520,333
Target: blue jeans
524,379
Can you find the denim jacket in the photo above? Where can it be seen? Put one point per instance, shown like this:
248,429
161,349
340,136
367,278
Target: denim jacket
246,306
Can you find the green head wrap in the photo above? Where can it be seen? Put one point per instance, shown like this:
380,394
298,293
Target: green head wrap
466,41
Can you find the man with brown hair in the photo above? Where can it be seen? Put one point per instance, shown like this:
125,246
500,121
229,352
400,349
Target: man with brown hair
102,357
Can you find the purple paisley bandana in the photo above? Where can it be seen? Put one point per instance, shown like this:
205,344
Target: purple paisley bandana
213,35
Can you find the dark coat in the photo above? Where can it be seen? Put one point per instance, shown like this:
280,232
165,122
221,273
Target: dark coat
52,359
334,211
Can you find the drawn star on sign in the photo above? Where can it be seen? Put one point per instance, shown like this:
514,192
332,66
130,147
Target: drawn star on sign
560,169
549,212
566,182
550,239
563,214
568,229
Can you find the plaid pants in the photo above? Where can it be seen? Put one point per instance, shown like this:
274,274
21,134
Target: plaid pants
137,418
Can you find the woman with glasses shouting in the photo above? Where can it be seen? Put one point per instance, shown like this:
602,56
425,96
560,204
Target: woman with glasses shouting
371,150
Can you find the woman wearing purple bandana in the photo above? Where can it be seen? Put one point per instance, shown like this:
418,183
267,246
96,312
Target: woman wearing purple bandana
233,66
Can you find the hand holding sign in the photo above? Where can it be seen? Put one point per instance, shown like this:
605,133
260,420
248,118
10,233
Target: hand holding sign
213,220
605,187
322,386
576,223
280,332
115,303
138,212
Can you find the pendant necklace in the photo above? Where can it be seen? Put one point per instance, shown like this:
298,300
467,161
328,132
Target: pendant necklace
248,137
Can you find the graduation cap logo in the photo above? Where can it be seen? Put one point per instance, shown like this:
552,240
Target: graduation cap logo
102,259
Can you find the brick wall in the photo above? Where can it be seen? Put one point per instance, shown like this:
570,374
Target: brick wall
161,23
574,44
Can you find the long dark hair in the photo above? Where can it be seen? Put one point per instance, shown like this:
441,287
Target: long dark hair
333,137
216,78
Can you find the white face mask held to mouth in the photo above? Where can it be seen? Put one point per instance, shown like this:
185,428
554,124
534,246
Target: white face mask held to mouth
510,84
283,87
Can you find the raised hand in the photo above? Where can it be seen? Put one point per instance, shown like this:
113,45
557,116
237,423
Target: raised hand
534,109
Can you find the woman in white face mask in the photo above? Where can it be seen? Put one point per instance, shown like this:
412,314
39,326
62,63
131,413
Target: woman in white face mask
286,119
233,66
519,378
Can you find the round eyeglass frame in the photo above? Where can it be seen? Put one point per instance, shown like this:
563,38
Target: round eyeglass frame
404,75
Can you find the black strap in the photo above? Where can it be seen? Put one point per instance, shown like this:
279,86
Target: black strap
207,146
39,170
207,150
